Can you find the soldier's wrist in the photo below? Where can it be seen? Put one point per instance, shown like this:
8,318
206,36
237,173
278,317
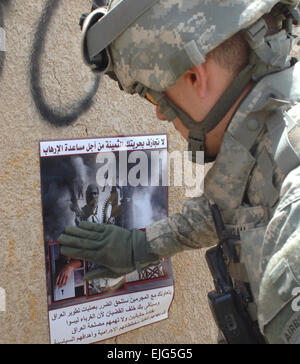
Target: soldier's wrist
142,255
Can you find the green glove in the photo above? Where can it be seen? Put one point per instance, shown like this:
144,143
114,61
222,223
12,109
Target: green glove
116,250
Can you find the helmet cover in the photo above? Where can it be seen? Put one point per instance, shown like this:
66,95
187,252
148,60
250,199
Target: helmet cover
173,35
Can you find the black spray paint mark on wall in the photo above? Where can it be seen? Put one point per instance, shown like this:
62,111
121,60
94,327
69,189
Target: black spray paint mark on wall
56,117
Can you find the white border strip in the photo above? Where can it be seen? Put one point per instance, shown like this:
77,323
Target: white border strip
102,145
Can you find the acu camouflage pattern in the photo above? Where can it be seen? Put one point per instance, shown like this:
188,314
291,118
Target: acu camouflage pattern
175,35
268,223
281,256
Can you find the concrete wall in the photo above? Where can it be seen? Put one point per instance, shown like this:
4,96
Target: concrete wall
43,82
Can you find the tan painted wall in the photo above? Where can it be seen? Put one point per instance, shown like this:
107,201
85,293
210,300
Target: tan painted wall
64,80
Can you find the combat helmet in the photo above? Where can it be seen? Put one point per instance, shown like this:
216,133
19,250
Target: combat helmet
147,45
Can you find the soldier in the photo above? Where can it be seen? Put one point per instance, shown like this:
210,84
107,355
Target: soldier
222,72
88,212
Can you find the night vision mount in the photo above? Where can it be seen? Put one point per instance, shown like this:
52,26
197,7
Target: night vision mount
110,25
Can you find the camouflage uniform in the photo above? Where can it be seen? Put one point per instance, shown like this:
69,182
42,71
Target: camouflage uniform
255,179
258,201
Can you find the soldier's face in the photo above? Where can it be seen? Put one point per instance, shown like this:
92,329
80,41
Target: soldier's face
184,95
191,95
196,93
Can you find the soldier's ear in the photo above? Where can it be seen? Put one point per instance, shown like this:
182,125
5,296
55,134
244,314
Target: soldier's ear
197,78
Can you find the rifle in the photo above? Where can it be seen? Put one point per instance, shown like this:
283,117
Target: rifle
228,306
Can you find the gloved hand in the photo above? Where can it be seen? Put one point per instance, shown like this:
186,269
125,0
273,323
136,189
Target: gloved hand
116,250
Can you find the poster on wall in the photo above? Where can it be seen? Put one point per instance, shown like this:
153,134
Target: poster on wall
116,180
